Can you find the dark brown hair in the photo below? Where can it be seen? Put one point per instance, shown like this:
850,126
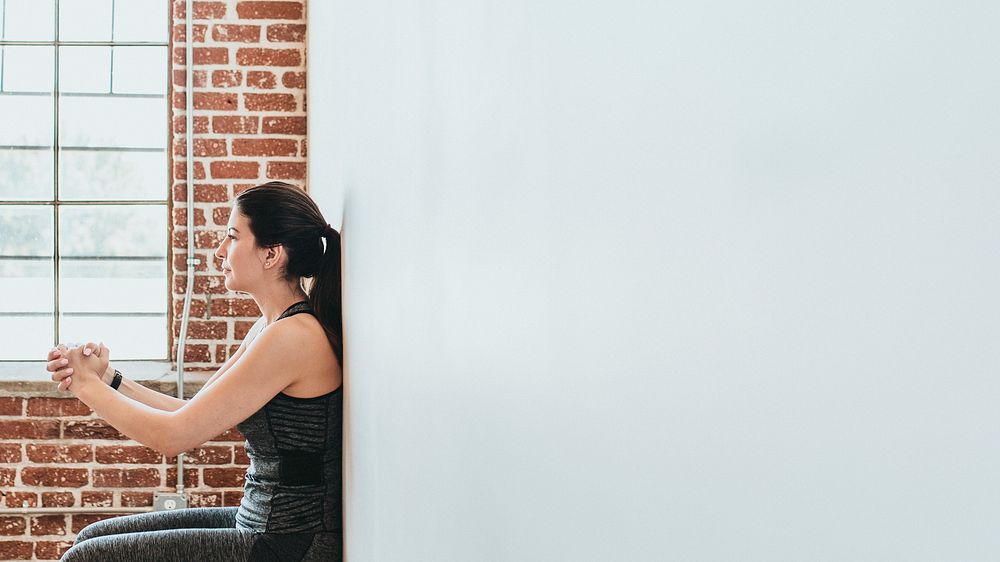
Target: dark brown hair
280,213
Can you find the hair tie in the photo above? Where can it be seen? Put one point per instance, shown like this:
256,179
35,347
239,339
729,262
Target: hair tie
329,231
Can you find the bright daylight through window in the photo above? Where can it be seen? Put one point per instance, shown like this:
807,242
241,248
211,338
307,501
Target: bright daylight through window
83,176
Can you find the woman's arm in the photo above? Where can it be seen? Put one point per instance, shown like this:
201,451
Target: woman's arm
270,364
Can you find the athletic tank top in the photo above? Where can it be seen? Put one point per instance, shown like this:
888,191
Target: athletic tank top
293,484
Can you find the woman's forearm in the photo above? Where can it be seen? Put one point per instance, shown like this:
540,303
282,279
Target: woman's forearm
150,397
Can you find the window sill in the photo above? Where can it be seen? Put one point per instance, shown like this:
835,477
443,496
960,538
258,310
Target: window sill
30,377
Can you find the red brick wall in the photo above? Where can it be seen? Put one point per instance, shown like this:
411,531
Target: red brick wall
55,453
250,127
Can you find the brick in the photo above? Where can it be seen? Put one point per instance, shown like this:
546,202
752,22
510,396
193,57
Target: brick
51,550
241,328
48,525
81,520
58,499
137,499
235,170
240,456
11,526
200,124
296,80
203,192
241,187
206,499
206,330
224,477
200,78
210,454
180,172
269,102
194,353
202,147
202,55
10,452
284,125
286,170
180,33
15,550
198,307
234,307
11,406
208,239
190,477
253,56
202,10
97,499
180,219
127,454
57,407
60,453
269,10
90,429
34,429
235,124
220,215
221,356
7,476
261,79
51,477
229,33
232,434
214,101
286,32
126,478
265,147
180,264
304,151
231,498
21,499
227,78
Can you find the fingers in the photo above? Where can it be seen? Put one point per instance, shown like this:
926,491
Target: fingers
90,348
61,374
54,353
65,383
56,364
104,352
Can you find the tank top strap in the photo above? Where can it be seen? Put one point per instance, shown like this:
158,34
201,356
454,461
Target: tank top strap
301,306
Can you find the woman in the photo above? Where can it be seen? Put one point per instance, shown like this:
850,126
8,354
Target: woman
281,388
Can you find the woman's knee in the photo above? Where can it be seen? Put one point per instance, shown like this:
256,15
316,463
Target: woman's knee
96,529
82,551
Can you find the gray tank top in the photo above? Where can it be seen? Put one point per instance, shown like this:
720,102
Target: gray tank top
293,484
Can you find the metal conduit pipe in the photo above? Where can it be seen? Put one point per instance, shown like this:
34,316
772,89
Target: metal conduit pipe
192,261
70,510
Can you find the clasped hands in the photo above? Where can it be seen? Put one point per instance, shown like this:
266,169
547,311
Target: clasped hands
75,366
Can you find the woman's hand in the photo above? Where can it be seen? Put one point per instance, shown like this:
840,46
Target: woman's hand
62,371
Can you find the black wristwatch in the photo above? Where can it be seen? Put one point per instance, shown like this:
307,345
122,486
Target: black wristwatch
117,381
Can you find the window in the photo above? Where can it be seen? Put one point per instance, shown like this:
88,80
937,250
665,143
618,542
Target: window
83,176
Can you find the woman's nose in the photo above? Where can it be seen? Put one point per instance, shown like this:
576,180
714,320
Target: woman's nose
218,251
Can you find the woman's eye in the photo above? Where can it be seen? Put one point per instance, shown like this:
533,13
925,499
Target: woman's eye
231,237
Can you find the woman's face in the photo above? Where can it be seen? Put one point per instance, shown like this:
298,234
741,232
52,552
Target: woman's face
242,264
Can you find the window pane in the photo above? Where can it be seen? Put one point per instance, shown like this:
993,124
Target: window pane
27,120
26,282
25,174
128,337
29,20
140,70
85,69
112,175
28,69
85,20
128,122
141,20
113,260
27,337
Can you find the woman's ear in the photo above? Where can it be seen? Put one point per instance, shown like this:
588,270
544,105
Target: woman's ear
272,254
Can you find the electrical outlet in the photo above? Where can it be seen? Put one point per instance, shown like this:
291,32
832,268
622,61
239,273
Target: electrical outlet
168,502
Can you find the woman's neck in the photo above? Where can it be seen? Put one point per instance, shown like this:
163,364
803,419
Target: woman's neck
273,303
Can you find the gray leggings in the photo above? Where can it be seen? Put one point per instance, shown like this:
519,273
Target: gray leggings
206,533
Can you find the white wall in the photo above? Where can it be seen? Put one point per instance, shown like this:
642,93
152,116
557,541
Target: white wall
665,280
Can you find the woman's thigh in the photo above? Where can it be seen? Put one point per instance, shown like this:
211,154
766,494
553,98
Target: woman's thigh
191,518
174,545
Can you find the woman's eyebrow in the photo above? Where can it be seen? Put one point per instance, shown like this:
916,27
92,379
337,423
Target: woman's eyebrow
233,229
